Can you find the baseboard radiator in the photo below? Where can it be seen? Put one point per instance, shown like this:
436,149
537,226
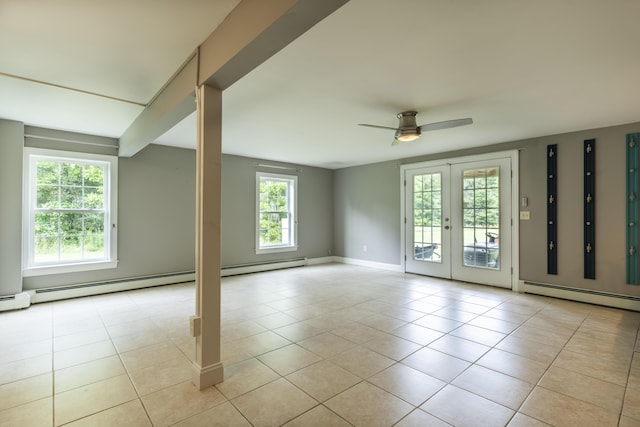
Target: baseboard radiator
233,270
627,302
26,298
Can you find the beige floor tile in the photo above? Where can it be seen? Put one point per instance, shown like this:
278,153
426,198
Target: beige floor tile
462,408
327,344
151,355
273,404
297,332
601,393
82,354
454,314
130,414
238,330
628,422
522,420
530,349
604,368
15,352
179,402
509,316
276,320
264,342
631,406
164,374
25,391
511,364
231,352
362,362
368,405
478,334
493,324
89,399
76,325
357,333
323,380
135,341
552,338
495,386
223,415
288,359
459,347
87,373
423,306
319,416
382,322
417,334
393,347
245,376
437,323
25,368
561,410
407,383
66,342
34,414
419,418
436,364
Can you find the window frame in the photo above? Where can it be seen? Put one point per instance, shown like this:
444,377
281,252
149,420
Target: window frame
110,186
292,182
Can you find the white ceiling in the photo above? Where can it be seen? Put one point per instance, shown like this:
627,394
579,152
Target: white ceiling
519,68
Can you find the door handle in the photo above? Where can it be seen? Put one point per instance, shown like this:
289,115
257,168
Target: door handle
446,227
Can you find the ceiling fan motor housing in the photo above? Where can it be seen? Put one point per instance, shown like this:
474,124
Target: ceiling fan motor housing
407,126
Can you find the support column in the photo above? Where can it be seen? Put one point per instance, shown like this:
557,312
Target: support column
207,368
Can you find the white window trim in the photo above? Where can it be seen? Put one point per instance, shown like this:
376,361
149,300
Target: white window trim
110,188
294,206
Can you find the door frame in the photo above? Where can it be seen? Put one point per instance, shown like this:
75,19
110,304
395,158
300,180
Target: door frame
513,155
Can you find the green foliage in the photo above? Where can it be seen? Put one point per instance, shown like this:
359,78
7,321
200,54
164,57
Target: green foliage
274,211
68,222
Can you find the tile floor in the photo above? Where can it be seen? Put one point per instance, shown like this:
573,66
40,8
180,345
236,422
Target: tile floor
328,345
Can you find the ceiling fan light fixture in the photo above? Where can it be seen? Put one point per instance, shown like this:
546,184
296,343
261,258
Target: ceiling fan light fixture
407,135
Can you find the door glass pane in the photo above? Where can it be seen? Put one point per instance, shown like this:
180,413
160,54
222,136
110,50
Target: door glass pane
481,217
427,204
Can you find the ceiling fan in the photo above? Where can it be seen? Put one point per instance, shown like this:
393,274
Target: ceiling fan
407,129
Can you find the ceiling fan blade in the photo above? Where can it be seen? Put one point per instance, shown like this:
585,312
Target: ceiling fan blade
446,124
376,126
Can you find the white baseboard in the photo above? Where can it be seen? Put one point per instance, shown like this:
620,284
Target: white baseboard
582,295
379,265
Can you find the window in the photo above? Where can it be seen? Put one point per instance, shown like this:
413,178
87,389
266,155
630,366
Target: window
276,212
69,212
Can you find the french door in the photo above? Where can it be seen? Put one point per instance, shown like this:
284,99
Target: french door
458,220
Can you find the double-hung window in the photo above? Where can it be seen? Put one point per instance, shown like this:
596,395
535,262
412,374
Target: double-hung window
276,222
69,212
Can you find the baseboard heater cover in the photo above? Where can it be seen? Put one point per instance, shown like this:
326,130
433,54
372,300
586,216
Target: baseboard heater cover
233,270
109,286
627,302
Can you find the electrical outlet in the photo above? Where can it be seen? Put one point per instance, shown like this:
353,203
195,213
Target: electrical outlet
364,248
525,215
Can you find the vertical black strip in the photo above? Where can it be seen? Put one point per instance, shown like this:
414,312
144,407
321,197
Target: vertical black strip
552,209
589,209
633,139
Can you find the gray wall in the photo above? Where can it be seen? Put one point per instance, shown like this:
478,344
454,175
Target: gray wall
367,208
315,210
156,218
367,212
11,140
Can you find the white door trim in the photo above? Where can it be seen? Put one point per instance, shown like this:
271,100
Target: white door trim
513,155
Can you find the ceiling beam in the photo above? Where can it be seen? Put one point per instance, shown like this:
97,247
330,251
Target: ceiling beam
253,32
